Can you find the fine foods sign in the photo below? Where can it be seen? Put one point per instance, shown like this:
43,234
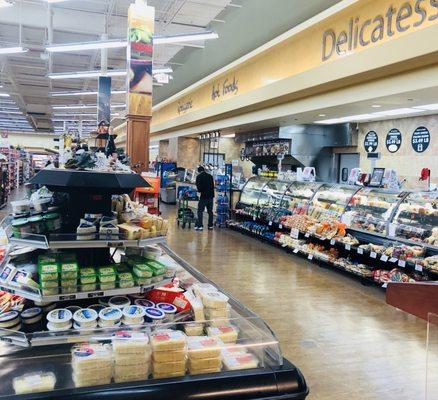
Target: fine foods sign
371,142
393,140
420,139
360,33
224,88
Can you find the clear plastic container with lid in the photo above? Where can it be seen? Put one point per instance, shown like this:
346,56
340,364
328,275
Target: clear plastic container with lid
109,317
127,342
168,340
34,383
204,347
85,318
106,274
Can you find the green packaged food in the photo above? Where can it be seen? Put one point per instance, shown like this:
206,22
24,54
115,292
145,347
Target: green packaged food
90,287
52,222
69,289
144,272
48,268
157,278
47,258
50,276
126,280
157,267
106,274
20,227
143,281
37,224
87,275
122,267
49,284
107,285
136,261
69,270
49,291
68,282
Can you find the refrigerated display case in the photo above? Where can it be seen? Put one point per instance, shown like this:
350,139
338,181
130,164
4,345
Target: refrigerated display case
298,196
252,190
416,218
371,210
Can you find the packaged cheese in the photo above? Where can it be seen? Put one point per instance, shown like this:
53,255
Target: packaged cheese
168,375
132,374
203,347
169,356
168,368
219,322
193,329
212,313
168,340
91,356
240,361
196,305
215,300
132,359
205,371
126,370
126,342
34,382
204,363
228,334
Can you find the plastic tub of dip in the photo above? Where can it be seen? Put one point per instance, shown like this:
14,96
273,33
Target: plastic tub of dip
154,315
144,303
37,224
20,207
52,222
168,309
133,315
9,319
59,319
20,227
41,205
85,318
97,307
119,302
31,315
109,317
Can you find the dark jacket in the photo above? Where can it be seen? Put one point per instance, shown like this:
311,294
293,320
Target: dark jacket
205,185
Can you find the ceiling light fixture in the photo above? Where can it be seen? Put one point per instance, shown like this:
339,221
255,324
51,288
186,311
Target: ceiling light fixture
208,35
376,106
83,106
322,115
13,50
106,44
428,107
4,95
397,111
86,74
164,70
73,94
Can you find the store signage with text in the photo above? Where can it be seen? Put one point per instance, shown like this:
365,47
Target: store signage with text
184,106
361,33
221,89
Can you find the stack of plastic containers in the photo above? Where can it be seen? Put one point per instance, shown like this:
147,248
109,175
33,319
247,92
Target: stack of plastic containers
204,355
169,353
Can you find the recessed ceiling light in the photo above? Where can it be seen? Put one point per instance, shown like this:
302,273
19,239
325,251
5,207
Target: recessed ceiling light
86,74
428,107
376,106
322,115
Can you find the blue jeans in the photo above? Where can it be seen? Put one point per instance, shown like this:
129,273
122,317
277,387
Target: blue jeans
205,203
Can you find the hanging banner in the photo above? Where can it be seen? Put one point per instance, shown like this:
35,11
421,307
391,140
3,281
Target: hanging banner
140,52
104,100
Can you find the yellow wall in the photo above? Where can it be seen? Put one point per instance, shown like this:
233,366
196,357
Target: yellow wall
405,161
37,140
304,52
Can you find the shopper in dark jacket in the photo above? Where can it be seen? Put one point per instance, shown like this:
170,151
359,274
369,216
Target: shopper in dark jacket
205,186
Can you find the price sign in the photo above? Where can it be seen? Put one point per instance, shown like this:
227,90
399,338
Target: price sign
280,226
402,263
393,140
296,251
371,142
393,260
420,139
392,229
385,285
310,257
307,235
254,218
95,294
348,247
373,254
270,223
384,258
333,242
115,244
294,233
418,268
359,250
67,297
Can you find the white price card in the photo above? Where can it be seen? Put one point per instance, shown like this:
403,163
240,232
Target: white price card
402,263
307,235
333,242
254,218
296,251
418,268
373,254
391,230
348,246
393,260
280,226
310,257
270,223
359,250
385,285
294,233
384,258
284,245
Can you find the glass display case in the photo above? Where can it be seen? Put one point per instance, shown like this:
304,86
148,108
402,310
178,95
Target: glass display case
371,210
416,218
252,191
330,201
298,195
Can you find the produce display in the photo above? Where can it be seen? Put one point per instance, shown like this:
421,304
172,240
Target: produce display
363,231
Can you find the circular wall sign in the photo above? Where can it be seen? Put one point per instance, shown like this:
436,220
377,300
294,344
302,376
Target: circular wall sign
393,140
371,142
420,139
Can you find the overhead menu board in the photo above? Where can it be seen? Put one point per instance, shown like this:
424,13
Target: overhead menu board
371,142
420,139
393,140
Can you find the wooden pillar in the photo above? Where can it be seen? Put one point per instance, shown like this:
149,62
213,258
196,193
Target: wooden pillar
137,141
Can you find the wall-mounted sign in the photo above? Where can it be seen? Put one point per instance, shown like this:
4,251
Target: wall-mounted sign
268,148
393,140
225,87
184,106
420,139
371,142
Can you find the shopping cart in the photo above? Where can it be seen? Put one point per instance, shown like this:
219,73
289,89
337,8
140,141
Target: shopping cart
186,215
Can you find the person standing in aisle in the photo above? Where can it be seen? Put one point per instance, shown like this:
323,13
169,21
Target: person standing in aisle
205,186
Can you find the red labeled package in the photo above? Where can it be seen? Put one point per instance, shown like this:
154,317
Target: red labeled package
169,294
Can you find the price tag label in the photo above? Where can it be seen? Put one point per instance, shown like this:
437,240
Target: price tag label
115,244
95,294
384,258
385,285
333,242
307,235
402,263
373,254
296,251
418,268
67,297
359,250
294,233
391,230
393,260
254,218
310,257
270,223
280,226
348,246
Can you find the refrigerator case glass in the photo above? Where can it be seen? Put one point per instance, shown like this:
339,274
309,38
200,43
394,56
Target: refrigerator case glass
416,218
371,209
298,195
252,191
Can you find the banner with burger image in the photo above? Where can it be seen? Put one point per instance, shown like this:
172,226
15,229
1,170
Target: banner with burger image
140,57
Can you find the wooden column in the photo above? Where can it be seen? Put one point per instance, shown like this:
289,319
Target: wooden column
137,141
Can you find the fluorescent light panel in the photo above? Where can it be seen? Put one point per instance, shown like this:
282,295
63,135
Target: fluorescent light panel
185,37
84,106
4,95
86,74
428,107
13,50
106,44
73,94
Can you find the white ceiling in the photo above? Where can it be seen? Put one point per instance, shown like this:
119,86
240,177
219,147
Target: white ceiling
24,76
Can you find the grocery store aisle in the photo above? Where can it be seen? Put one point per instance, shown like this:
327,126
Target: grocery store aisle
347,341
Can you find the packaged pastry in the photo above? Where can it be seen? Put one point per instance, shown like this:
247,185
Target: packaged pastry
168,340
196,364
193,329
219,322
169,356
212,313
240,361
91,357
85,318
31,315
196,305
119,302
133,359
130,374
203,347
228,334
205,371
127,342
168,368
109,317
34,383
